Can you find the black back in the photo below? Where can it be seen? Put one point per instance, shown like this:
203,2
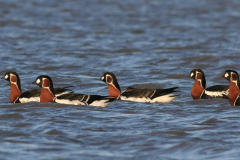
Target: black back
59,90
162,92
37,92
218,88
31,93
149,93
88,99
93,98
73,96
237,103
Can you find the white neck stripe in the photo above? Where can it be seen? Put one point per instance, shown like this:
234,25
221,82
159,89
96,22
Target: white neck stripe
202,93
235,100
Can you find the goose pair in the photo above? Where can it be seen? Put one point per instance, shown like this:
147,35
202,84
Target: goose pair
231,91
49,94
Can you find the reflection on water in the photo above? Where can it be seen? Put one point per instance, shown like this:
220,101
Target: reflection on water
146,44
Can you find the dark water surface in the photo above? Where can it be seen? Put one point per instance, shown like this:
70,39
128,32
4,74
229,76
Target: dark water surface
146,44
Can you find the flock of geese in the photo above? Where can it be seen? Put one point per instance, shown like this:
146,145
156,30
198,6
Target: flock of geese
48,93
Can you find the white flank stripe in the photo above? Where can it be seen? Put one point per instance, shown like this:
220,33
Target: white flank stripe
162,99
216,94
67,101
101,103
135,99
31,99
57,95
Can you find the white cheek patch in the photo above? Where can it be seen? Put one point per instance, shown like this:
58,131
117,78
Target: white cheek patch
191,75
6,77
226,75
102,78
38,81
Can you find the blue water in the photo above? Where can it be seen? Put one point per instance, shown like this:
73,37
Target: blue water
148,44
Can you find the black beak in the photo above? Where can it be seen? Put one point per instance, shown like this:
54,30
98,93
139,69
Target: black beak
3,78
34,82
102,79
223,76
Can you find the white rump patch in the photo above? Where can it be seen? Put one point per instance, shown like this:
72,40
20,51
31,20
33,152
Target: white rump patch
6,77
